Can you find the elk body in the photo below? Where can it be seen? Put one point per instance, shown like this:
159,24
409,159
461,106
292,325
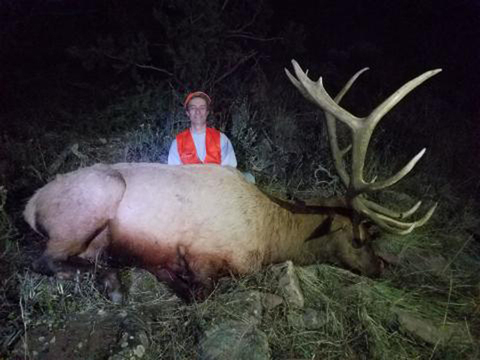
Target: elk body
167,219
189,225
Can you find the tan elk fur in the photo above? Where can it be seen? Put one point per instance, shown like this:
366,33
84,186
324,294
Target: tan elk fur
148,213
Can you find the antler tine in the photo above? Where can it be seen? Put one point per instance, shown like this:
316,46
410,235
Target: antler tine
388,223
362,129
391,213
379,185
361,137
397,96
332,132
316,93
299,86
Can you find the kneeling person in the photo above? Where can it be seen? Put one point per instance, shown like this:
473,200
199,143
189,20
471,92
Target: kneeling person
200,144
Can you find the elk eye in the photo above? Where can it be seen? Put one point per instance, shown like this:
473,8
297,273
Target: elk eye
357,243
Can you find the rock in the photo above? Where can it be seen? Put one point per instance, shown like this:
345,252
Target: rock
249,304
234,340
310,319
84,336
133,341
438,265
271,301
232,333
289,285
313,319
139,351
89,336
144,287
244,306
430,332
295,320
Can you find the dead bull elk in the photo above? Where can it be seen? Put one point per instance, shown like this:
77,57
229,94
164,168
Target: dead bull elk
189,225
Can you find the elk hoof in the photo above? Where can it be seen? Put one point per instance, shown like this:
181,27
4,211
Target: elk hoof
112,286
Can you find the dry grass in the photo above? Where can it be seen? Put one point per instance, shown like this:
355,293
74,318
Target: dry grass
435,275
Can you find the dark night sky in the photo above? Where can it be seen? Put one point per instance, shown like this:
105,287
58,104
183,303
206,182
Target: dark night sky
407,36
419,34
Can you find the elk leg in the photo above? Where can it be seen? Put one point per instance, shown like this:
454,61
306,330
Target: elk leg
56,260
62,250
186,283
186,287
179,285
111,285
107,279
64,269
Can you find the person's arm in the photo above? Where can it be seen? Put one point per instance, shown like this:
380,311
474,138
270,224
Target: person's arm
228,154
173,157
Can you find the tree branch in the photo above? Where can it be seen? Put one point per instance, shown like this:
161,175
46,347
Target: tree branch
235,67
252,37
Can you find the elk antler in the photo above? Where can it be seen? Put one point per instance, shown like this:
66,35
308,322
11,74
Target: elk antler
361,130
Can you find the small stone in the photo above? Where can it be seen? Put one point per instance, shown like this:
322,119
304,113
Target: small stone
142,336
431,332
271,301
295,320
234,340
313,319
438,265
139,351
290,285
247,305
116,297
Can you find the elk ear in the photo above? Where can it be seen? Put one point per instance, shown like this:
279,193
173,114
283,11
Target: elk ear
373,230
364,232
323,229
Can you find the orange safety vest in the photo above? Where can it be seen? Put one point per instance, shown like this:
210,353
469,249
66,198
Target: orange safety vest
188,153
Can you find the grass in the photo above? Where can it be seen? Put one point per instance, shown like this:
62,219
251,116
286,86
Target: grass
358,314
435,275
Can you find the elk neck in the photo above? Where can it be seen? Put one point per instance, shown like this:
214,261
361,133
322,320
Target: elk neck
292,225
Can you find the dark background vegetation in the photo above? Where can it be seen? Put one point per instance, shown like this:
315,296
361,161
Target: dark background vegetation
103,81
64,62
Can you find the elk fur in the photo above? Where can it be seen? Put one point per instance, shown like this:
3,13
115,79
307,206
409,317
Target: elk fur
186,224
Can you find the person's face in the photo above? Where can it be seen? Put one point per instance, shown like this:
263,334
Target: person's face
197,111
